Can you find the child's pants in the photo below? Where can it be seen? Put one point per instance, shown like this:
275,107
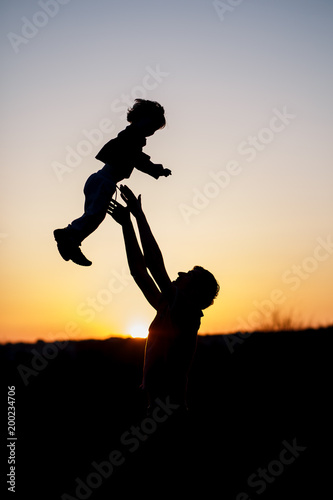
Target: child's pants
98,191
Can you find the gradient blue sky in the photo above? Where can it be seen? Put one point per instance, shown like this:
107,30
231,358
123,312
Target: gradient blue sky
220,81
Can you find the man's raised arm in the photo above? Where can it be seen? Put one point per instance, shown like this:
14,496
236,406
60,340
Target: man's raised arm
152,253
135,259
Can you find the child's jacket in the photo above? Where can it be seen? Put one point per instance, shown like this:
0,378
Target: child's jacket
126,150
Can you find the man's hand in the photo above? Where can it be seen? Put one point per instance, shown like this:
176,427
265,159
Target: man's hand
118,212
133,203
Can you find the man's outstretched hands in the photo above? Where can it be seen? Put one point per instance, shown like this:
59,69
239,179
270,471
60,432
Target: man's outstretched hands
118,212
133,203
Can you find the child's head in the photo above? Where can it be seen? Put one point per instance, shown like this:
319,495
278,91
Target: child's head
147,114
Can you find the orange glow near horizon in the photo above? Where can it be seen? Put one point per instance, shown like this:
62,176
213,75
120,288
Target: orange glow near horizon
65,302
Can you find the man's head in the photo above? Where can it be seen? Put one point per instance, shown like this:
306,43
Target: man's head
149,115
200,284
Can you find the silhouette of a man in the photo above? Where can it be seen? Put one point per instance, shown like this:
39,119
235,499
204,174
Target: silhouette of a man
171,342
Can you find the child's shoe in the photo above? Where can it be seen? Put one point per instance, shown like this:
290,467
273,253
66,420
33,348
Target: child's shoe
68,249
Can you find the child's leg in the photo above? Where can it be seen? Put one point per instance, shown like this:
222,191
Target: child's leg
98,191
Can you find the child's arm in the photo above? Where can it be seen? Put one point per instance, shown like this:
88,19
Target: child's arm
135,259
156,170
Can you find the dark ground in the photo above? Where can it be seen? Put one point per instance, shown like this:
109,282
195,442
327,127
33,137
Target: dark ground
251,399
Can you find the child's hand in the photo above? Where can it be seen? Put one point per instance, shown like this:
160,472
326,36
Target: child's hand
166,172
118,212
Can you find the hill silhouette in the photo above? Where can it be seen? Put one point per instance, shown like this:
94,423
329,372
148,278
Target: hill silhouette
258,425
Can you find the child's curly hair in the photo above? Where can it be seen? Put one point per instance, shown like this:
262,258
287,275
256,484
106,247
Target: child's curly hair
147,109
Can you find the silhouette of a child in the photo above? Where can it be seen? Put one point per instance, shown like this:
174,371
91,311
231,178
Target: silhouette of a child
120,155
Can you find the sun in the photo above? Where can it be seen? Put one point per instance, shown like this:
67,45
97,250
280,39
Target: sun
138,330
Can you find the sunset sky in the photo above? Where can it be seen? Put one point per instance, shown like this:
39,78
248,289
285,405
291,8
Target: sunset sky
247,90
